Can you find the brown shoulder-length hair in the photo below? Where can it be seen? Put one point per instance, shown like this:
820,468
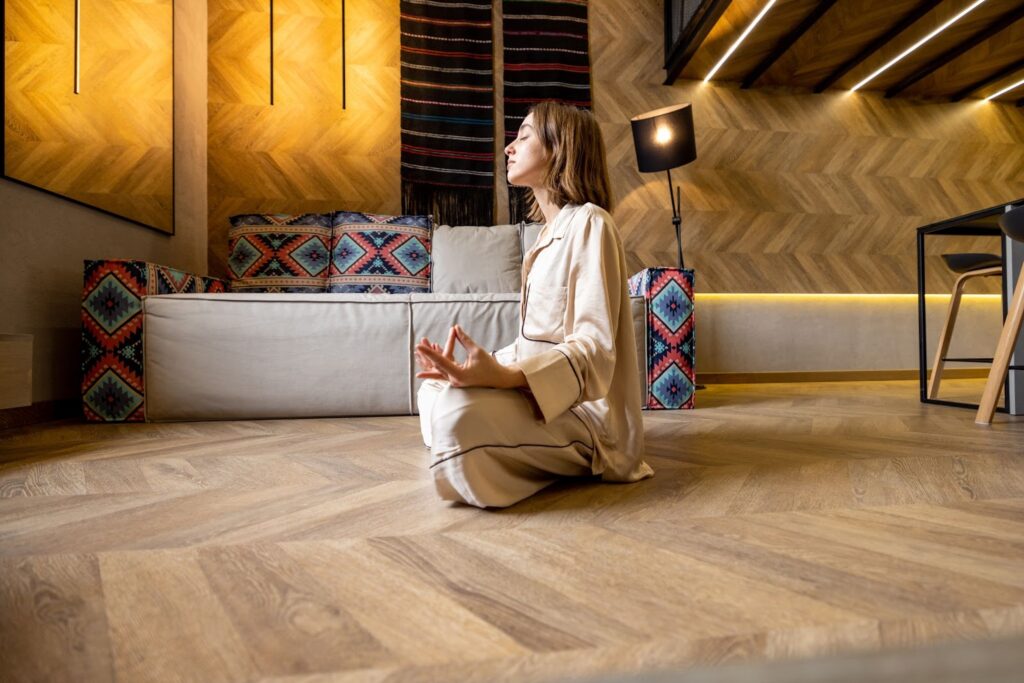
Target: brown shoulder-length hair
577,168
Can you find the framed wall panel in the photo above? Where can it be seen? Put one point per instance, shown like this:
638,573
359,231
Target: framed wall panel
110,146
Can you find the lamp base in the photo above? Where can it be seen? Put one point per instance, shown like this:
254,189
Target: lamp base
671,351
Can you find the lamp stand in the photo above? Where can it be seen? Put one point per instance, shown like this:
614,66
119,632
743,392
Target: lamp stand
677,221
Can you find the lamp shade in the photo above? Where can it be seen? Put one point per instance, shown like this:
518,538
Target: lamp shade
664,138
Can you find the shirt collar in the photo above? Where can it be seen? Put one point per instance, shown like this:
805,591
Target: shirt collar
558,226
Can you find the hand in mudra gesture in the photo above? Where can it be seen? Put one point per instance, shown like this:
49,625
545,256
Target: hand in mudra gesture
480,369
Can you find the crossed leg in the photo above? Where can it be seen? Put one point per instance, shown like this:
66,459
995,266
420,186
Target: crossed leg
488,448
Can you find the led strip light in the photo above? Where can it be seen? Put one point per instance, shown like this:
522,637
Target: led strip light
743,36
1005,90
917,44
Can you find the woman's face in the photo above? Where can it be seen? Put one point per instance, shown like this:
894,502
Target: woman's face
527,158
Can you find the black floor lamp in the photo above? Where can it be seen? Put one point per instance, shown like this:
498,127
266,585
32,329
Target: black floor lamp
664,139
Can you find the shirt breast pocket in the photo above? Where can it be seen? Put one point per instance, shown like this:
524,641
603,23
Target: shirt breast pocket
544,314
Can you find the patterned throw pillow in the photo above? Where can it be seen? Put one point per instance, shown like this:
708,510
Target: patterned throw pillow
279,253
380,254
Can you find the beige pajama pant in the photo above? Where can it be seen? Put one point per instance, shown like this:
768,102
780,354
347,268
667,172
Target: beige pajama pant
488,448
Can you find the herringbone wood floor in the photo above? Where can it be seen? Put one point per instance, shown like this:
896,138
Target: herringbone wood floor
784,521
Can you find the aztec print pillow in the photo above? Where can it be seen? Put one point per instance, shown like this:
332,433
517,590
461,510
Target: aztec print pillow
279,253
380,254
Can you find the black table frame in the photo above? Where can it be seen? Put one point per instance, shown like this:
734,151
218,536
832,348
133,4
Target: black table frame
966,225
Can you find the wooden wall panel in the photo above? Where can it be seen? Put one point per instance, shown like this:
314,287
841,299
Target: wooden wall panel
795,192
110,146
304,153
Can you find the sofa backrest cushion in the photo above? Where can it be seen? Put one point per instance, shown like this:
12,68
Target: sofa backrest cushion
470,259
279,253
528,234
378,254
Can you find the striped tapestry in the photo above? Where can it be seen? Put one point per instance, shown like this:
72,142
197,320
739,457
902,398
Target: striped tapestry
448,110
546,58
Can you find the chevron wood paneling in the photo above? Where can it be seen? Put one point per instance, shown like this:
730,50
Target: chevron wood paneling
111,145
304,153
787,521
794,192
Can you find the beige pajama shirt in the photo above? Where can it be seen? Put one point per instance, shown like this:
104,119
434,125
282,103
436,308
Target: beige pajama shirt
580,415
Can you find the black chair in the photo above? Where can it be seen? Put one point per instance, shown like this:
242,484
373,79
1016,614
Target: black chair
1012,223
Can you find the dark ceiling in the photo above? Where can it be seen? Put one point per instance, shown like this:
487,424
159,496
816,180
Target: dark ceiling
835,44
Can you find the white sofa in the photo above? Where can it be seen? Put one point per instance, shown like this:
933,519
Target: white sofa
240,356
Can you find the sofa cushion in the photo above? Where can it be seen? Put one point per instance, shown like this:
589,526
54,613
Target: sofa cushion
528,234
279,253
491,319
379,254
470,259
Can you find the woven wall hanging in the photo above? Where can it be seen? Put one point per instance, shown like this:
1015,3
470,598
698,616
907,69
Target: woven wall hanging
447,110
546,58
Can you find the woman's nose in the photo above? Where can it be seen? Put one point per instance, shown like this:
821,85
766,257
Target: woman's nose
508,149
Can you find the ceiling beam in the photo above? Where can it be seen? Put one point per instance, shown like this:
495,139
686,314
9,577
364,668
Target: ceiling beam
787,42
988,80
692,36
908,20
1002,22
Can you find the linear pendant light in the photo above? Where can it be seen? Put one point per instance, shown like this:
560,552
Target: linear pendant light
78,36
271,52
743,36
917,45
1005,90
343,79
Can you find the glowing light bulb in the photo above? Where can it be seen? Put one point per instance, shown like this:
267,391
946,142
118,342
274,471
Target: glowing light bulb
662,135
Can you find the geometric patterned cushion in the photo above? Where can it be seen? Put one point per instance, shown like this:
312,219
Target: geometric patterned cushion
380,254
279,253
112,351
671,373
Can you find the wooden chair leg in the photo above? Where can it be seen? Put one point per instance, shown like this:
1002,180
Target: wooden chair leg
944,337
1001,361
947,328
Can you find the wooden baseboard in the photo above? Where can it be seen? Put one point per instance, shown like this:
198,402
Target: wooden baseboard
830,376
44,411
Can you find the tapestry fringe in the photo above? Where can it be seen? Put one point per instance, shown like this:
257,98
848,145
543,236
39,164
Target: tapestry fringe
449,206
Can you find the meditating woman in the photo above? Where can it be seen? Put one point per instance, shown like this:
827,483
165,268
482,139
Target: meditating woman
563,400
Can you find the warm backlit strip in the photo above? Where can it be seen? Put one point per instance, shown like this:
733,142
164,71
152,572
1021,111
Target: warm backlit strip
1006,90
743,36
836,297
918,44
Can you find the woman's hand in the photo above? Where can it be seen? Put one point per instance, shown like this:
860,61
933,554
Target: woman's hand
428,369
480,368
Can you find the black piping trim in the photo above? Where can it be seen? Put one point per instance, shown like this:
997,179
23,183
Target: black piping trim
502,445
579,382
